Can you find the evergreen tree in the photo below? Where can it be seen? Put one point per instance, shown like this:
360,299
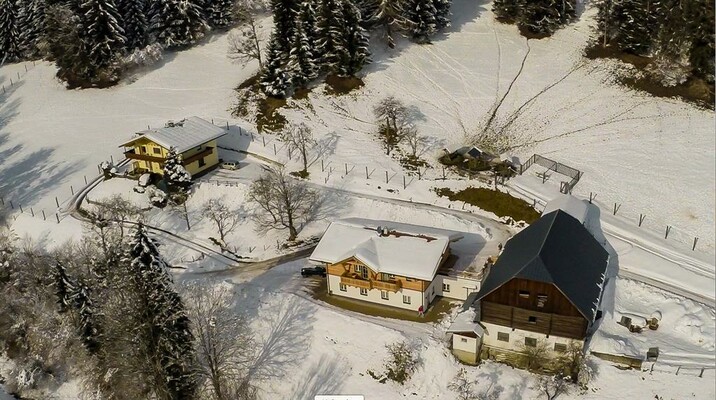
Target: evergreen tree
307,16
300,65
391,15
699,21
284,17
101,35
175,175
88,329
274,80
64,287
32,27
423,24
220,13
629,24
176,23
355,54
507,10
545,16
165,325
442,13
134,21
9,35
330,25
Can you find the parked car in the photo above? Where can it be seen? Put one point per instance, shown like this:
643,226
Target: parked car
230,165
310,271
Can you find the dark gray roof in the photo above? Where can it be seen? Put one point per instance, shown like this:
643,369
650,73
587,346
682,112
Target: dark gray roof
555,249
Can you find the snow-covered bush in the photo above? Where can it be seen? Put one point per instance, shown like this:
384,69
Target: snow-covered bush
667,72
401,362
157,197
144,57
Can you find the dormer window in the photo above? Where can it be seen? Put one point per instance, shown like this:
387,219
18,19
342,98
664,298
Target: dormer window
524,294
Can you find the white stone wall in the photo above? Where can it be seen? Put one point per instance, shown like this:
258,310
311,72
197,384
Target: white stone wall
517,337
465,343
395,299
460,288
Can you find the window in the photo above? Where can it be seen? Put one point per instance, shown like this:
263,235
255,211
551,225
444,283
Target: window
433,290
503,337
446,287
541,300
560,347
356,268
202,162
384,294
532,320
343,287
157,150
387,277
409,279
524,294
144,149
364,292
406,299
530,342
464,340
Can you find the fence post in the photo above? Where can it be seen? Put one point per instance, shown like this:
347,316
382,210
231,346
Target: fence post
227,125
592,197
263,139
694,246
701,375
72,190
44,218
346,164
366,173
668,229
58,217
616,208
419,174
111,159
641,219
386,177
678,369
20,205
57,201
85,179
18,76
443,172
404,182
323,168
32,212
274,149
11,206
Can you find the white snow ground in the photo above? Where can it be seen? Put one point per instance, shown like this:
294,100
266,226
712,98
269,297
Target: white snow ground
657,159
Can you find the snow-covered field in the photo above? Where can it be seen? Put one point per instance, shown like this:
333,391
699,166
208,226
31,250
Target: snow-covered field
653,156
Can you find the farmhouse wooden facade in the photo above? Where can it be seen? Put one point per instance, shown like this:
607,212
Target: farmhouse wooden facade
194,139
545,287
390,263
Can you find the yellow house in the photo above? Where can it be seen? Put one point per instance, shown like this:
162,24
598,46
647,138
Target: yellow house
193,138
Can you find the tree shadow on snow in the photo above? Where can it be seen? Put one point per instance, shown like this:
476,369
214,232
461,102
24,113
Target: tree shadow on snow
490,382
324,377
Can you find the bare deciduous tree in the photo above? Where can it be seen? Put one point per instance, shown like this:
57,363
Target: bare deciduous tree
536,355
401,363
246,45
392,119
552,386
285,201
114,209
299,137
223,343
225,219
466,388
415,142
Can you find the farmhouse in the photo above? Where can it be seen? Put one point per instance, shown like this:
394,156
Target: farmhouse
544,288
390,263
194,139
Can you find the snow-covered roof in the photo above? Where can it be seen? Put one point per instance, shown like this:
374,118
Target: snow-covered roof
408,250
569,204
465,322
182,135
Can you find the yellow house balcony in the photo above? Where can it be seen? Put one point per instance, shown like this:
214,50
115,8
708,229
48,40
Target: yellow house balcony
357,282
391,286
132,155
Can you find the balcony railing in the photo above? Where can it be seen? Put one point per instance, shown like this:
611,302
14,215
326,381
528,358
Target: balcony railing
144,157
392,286
357,282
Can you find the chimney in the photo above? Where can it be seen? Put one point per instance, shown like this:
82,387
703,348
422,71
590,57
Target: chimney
385,231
